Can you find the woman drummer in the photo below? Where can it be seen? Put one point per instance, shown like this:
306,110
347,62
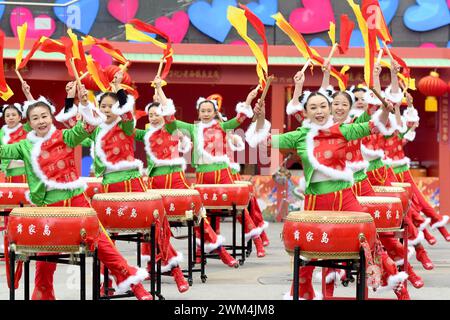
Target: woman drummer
49,157
321,145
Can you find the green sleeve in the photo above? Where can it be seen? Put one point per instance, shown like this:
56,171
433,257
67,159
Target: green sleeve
365,117
140,134
289,140
401,135
230,124
75,136
127,127
183,126
27,127
87,142
12,151
355,131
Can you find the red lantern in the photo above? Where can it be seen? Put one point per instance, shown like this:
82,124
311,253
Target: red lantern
432,86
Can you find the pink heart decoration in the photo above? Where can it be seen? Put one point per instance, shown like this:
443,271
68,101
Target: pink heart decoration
238,43
123,10
176,28
428,45
42,25
314,17
101,57
448,4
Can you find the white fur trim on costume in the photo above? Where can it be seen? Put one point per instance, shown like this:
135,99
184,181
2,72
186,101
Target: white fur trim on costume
235,166
184,145
254,233
202,100
352,96
167,110
371,98
209,247
145,259
410,254
254,138
127,107
44,100
419,239
124,286
8,131
288,296
394,281
355,113
239,146
411,114
25,107
65,116
206,157
410,135
424,224
401,127
441,223
305,95
383,129
397,163
87,113
18,106
36,151
245,109
172,263
370,154
180,161
393,97
28,198
292,108
345,175
302,185
328,92
121,165
335,276
358,166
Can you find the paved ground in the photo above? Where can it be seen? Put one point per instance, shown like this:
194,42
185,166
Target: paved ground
265,278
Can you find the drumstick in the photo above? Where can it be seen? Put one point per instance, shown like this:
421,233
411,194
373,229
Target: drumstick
75,72
375,91
19,76
161,64
333,49
305,66
380,54
266,89
84,75
124,67
388,51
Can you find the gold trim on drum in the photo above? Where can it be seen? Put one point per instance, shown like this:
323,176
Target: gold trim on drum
388,229
128,230
53,212
244,182
39,249
229,207
14,185
381,189
341,217
180,218
401,184
326,255
174,192
378,200
12,206
126,196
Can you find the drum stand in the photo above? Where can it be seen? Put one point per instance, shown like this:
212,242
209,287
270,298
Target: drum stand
77,258
155,273
192,245
355,266
233,213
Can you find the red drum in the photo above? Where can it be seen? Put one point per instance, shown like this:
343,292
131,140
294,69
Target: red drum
251,187
128,212
180,204
51,229
404,185
387,212
395,192
14,194
94,186
223,196
328,234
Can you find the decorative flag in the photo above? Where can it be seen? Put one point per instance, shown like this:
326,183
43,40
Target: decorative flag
97,74
306,51
43,44
332,33
75,50
5,90
107,47
22,35
370,42
374,16
347,27
238,19
132,33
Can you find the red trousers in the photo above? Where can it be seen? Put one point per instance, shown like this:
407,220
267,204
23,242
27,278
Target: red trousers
382,176
224,176
125,275
419,200
16,179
